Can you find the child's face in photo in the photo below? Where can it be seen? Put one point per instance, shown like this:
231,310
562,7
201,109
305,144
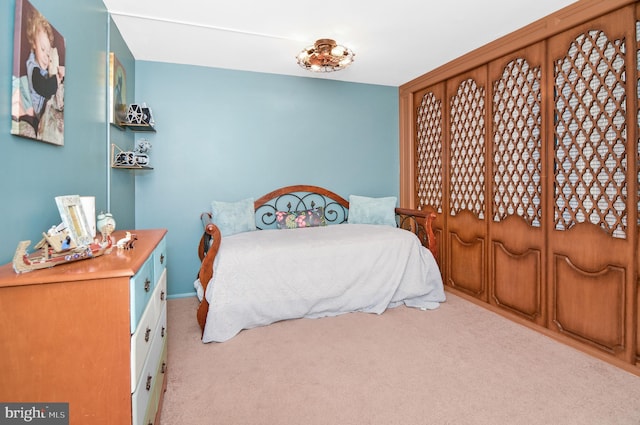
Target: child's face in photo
42,49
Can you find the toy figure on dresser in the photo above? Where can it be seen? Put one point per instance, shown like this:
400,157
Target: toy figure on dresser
127,242
56,247
106,224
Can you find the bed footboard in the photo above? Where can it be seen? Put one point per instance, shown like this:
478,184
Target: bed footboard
420,223
207,250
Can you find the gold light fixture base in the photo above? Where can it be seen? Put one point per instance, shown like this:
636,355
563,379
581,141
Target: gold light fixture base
325,56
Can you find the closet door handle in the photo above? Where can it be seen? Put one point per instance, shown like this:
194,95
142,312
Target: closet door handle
147,334
147,285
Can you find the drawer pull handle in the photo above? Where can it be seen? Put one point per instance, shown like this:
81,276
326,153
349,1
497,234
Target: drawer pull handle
147,334
162,332
161,295
164,367
149,379
161,258
147,285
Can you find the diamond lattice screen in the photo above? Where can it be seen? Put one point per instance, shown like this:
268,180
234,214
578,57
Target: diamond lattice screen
590,131
467,184
429,153
517,186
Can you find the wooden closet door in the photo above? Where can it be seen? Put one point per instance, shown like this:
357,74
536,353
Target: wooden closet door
516,166
592,273
637,138
466,228
430,163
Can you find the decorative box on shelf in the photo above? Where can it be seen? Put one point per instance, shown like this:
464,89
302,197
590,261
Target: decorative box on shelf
138,118
133,160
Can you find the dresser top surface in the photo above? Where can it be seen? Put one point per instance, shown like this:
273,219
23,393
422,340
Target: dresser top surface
118,263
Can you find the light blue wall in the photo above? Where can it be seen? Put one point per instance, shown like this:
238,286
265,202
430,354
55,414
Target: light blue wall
228,135
221,135
32,173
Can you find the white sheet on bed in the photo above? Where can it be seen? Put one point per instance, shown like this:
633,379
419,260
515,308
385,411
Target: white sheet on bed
265,276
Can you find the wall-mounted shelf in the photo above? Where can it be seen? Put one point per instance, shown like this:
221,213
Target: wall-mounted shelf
139,127
132,167
127,160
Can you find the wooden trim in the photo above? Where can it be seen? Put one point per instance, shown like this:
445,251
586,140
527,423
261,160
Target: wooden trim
565,18
407,153
301,188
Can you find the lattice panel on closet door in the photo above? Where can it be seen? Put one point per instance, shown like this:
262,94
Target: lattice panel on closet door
429,180
590,132
467,184
517,185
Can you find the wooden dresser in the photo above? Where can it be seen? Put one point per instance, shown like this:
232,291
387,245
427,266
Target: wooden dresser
91,333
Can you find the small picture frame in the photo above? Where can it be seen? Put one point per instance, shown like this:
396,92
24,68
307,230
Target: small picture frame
117,92
74,218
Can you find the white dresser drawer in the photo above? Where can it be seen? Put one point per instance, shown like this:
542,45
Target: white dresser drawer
159,298
142,338
142,396
157,389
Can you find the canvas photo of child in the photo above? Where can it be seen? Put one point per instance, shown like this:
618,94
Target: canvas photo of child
37,108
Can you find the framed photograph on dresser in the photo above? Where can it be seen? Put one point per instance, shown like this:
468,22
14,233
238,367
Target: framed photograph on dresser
74,218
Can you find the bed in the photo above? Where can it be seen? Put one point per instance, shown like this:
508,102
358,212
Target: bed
306,252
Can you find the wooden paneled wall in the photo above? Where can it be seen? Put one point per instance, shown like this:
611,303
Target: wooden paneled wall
527,149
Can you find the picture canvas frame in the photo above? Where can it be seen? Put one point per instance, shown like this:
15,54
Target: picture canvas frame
39,54
117,92
74,218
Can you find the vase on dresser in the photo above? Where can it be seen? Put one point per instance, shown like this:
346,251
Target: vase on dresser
106,224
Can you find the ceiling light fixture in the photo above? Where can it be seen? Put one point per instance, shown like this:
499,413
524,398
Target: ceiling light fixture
325,56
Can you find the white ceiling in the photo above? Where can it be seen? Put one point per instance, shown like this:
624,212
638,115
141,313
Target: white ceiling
394,41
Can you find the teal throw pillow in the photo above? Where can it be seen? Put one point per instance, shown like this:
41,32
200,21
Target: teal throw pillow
366,210
234,217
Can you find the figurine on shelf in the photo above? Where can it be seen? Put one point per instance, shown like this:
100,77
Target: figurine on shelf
106,224
141,154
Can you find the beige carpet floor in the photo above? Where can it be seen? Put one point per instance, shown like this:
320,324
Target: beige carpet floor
460,364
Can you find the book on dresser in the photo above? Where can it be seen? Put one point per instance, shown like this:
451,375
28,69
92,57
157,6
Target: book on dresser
90,335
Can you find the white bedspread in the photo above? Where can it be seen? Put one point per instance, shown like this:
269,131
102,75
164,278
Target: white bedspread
265,276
